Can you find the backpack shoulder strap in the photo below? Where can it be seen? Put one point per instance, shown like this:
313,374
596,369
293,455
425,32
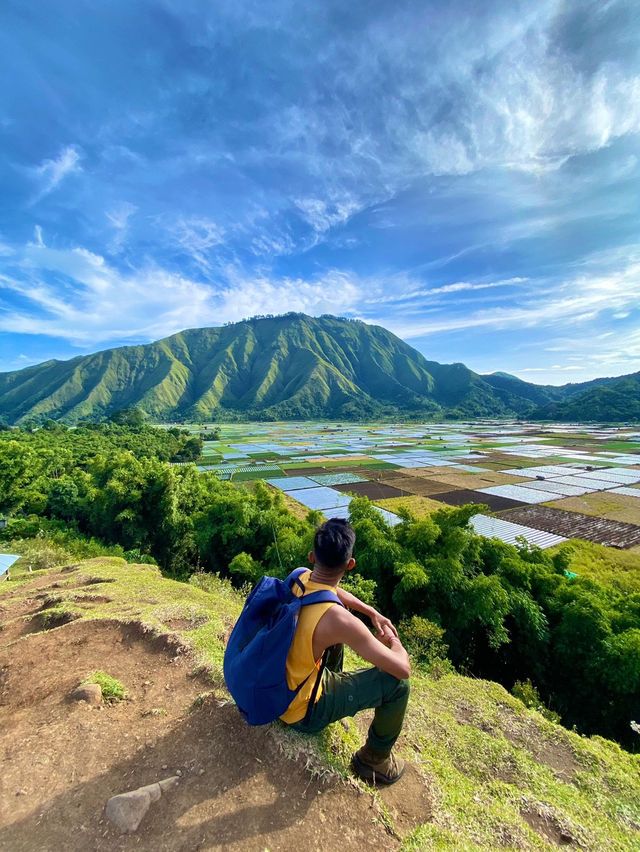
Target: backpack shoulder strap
294,577
323,596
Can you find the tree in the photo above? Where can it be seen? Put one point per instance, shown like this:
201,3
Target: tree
132,416
18,470
190,449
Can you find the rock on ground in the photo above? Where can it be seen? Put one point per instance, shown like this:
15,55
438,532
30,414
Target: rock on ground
127,810
89,692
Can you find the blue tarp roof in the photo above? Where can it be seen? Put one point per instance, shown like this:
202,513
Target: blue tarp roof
6,561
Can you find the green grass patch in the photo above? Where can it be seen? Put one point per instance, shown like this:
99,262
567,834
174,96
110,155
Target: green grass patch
607,565
112,689
249,475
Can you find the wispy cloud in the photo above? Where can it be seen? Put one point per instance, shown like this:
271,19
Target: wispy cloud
50,173
118,217
196,236
559,303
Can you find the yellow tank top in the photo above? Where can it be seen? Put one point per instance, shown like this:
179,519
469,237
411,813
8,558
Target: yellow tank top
301,663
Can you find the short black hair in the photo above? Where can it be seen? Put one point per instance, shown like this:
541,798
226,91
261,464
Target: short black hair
333,543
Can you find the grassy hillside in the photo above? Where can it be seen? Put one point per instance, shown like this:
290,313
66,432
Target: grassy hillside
293,366
497,774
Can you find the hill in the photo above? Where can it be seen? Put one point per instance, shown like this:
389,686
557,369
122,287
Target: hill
485,772
292,367
605,400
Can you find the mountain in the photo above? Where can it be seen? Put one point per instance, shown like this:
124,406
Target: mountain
604,400
291,366
502,375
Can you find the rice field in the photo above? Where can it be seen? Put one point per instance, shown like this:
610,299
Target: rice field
523,473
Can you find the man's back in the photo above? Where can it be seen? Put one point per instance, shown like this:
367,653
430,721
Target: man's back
303,661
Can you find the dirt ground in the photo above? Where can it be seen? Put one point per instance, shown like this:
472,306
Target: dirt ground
62,760
483,479
420,485
462,496
372,490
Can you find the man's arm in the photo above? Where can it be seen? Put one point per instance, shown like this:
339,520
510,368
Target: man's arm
386,652
381,624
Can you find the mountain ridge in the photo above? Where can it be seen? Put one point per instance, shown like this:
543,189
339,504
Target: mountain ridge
291,366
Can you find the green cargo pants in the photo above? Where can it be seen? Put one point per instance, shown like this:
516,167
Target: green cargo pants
346,693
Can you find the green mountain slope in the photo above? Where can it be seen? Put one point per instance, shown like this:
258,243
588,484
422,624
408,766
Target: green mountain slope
291,366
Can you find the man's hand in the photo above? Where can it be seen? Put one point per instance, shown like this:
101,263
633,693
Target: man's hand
385,651
383,626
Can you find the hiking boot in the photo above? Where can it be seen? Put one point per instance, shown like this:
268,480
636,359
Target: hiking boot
375,768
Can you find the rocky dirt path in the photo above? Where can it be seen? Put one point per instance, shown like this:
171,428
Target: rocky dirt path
62,759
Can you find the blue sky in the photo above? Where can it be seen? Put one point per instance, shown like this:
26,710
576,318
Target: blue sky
466,174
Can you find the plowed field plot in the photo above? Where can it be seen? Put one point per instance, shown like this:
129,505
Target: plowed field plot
372,490
471,481
386,475
431,471
462,496
576,525
305,470
418,485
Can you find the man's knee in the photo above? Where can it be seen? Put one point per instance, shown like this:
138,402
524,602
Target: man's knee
394,688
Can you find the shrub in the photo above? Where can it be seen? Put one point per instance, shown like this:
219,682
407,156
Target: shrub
361,588
244,567
526,692
423,640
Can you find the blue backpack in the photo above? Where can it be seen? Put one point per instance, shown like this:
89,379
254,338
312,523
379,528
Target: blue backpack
256,655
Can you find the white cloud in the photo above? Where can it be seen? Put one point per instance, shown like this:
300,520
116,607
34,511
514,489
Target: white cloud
406,289
196,236
498,90
554,368
593,355
572,302
119,215
98,303
50,173
332,292
324,215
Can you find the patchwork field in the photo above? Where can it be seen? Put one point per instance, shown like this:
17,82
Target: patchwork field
546,484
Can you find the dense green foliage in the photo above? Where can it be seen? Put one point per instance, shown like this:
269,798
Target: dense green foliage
510,614
113,482
45,471
504,613
288,367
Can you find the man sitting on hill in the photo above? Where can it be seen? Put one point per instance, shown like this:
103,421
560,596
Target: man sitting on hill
325,626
